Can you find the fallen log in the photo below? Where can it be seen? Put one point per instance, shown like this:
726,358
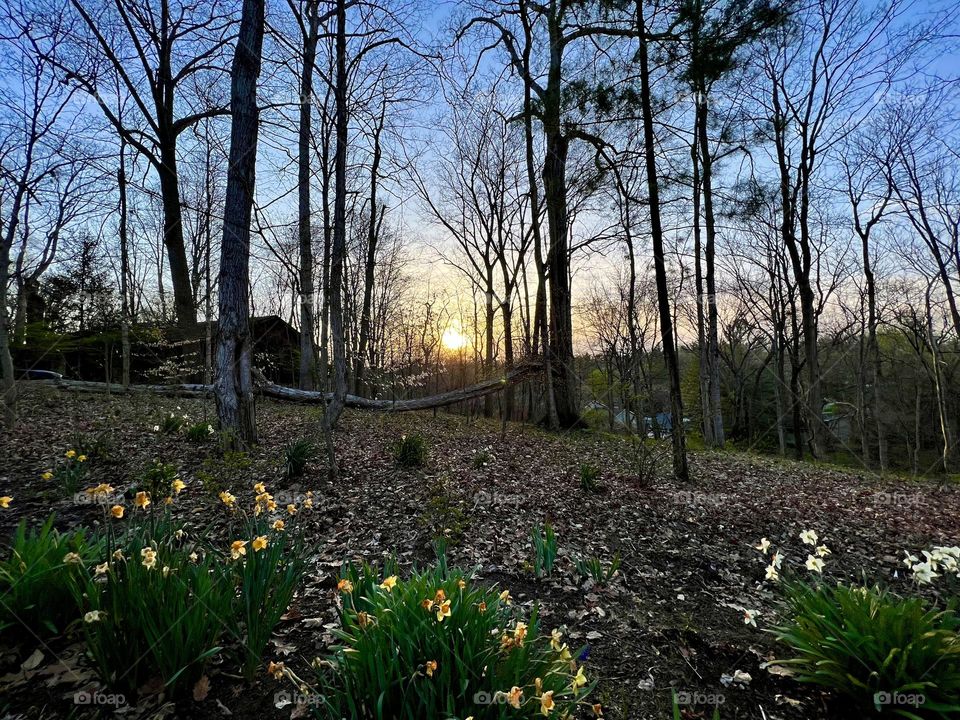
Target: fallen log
515,375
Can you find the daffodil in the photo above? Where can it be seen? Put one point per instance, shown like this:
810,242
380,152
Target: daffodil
345,586
482,607
193,557
439,596
809,537
70,454
72,558
117,511
462,584
515,697
149,559
430,668
93,616
814,564
238,548
118,555
278,525
519,633
276,669
923,573
177,485
259,488
597,709
47,475
259,543
443,610
364,619
5,501
772,573
763,546
823,551
81,458
389,583
101,569
227,499
750,617
555,638
546,702
166,570
292,509
579,680
505,597
308,503
141,499
776,560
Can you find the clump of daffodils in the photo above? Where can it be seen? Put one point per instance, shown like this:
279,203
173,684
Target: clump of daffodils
940,560
814,562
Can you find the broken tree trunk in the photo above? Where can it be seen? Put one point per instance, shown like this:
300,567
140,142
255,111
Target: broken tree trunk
518,374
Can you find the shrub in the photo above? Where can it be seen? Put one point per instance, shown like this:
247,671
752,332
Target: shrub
410,451
200,432
155,607
442,515
35,580
646,459
439,645
544,549
593,568
590,478
296,456
481,459
867,643
267,579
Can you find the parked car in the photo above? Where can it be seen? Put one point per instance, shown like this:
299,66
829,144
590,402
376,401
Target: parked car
34,374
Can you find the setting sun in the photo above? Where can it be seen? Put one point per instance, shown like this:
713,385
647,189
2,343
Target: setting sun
453,339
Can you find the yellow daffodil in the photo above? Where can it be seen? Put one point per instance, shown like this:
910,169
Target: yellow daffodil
482,607
70,454
278,525
546,702
259,543
227,499
462,584
168,500
47,475
177,485
81,458
430,668
93,616
364,619
519,633
389,583
71,558
427,604
5,501
506,642
555,638
238,548
308,503
292,509
118,555
345,586
440,596
579,680
515,697
259,488
505,597
101,569
597,709
276,669
141,500
443,610
149,560
117,511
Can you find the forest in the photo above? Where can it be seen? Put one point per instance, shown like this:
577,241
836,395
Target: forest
381,359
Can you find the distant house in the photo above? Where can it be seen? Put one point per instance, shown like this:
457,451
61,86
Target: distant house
160,354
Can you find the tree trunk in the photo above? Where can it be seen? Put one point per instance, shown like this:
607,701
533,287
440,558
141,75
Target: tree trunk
680,469
308,353
173,236
124,267
234,384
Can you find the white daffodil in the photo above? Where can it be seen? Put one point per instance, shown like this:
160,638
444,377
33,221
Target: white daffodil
763,546
772,573
809,537
814,564
823,551
776,560
93,616
924,573
909,559
750,617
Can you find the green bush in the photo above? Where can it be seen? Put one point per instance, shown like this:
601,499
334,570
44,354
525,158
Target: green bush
200,432
593,568
35,580
439,645
157,480
590,478
171,423
267,579
481,459
544,541
296,455
156,607
410,451
870,645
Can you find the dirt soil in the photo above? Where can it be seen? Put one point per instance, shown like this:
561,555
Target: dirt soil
671,619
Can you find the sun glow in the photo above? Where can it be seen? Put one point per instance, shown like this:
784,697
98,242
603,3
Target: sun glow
453,339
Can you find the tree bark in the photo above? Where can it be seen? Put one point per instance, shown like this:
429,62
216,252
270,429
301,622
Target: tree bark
236,409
